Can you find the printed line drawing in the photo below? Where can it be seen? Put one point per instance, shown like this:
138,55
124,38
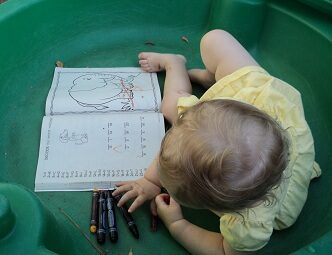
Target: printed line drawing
109,87
78,139
103,90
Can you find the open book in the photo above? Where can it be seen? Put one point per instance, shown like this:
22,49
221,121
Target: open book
102,125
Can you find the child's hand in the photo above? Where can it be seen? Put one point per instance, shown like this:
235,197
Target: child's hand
168,209
142,189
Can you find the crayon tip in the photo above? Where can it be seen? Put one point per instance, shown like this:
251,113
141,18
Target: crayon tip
101,236
114,237
134,230
154,223
101,239
93,229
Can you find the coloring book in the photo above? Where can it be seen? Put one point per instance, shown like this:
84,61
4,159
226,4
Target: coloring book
101,126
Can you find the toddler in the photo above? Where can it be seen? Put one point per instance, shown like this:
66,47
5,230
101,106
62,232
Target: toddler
243,150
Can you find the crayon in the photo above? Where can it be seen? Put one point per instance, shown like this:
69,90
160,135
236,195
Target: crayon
101,231
155,218
154,223
167,199
128,217
112,228
94,211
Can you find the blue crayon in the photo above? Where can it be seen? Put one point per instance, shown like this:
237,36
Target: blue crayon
101,230
112,228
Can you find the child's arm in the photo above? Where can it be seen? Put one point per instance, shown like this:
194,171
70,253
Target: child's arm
195,239
177,84
200,241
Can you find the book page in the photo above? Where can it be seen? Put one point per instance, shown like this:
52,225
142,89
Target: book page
102,90
83,152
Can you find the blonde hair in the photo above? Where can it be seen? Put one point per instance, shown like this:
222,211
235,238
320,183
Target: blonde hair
223,155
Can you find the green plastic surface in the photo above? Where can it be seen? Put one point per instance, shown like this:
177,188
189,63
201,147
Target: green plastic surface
291,39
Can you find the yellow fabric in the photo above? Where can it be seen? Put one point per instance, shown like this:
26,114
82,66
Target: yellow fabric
251,229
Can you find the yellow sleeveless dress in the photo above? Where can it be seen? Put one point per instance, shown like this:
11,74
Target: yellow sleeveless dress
251,229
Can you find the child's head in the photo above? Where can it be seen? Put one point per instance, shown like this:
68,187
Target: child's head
222,155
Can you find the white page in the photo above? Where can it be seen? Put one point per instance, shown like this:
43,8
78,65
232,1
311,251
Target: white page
102,90
83,152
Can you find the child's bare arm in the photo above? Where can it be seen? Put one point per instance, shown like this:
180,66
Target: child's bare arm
201,241
195,239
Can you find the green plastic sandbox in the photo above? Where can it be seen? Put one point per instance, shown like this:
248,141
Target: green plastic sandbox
291,39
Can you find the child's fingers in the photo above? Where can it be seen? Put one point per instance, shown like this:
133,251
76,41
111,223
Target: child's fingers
127,196
143,62
159,201
137,203
122,187
165,197
162,200
141,55
118,184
